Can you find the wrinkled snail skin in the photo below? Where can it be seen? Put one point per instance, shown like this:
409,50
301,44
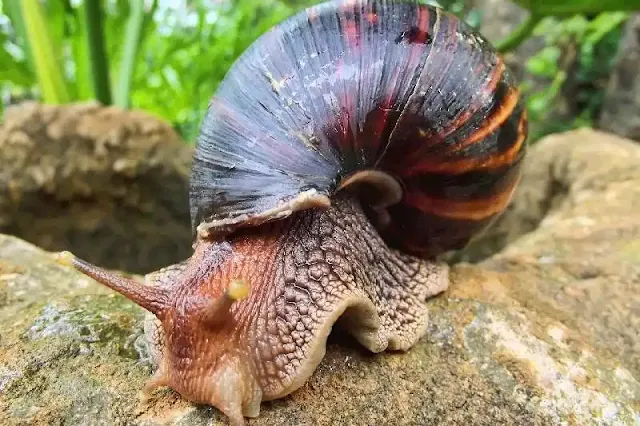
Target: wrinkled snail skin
345,150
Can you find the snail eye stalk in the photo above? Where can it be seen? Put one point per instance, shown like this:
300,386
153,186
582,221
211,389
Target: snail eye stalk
153,299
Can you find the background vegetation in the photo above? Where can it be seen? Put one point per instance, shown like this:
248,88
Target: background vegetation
167,57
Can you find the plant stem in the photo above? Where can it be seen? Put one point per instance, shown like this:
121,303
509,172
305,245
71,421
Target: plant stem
519,35
43,52
80,50
97,51
132,43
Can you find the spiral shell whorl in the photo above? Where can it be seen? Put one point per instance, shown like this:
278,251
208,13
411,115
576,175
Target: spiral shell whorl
347,86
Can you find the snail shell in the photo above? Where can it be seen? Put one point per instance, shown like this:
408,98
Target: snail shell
398,97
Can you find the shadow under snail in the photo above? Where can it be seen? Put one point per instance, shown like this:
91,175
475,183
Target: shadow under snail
345,150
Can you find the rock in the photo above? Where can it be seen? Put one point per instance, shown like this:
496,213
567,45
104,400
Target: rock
621,108
541,333
588,236
573,216
109,184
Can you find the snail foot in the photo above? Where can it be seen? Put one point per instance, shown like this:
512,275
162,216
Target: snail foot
233,390
159,379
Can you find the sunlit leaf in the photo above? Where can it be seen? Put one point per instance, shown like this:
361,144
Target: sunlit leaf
13,11
48,66
576,25
80,53
603,24
12,70
134,28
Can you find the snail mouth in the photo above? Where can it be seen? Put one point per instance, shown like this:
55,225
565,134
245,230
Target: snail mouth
377,191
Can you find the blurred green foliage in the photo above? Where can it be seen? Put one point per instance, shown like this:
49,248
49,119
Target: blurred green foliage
188,56
576,60
168,57
183,53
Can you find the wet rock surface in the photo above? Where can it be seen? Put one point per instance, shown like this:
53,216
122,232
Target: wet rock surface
541,333
109,184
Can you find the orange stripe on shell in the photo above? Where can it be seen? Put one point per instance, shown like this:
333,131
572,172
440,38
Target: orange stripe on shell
479,209
464,165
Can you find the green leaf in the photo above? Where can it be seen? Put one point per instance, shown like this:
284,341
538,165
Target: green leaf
13,11
128,63
545,62
540,103
13,70
115,16
97,51
16,72
43,49
576,25
80,51
603,24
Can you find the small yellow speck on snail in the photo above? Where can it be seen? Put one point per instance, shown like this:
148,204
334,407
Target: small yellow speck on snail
238,289
65,258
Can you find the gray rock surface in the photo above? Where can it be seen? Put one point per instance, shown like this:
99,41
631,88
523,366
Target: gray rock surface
108,184
621,109
544,332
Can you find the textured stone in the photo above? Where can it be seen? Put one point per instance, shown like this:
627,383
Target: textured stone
541,333
108,184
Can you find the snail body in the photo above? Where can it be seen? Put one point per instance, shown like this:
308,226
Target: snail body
345,150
